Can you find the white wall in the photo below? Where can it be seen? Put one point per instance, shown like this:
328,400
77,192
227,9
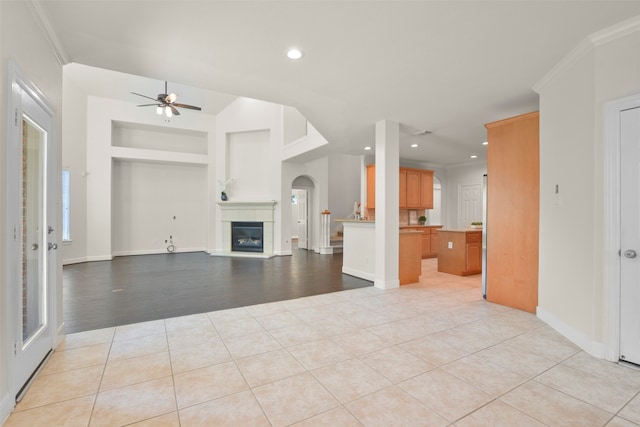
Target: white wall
102,113
74,157
22,40
344,186
250,164
573,286
156,203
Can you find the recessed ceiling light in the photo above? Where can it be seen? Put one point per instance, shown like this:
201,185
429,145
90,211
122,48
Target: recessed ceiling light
367,148
485,143
414,145
294,54
474,156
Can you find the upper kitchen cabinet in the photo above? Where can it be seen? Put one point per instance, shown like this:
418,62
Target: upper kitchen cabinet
513,193
415,190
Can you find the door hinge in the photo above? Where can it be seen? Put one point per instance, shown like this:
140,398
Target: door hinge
15,117
15,234
15,348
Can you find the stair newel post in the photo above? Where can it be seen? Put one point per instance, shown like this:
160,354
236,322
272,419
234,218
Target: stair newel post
325,233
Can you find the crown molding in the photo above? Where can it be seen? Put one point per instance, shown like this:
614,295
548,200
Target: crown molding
43,22
586,46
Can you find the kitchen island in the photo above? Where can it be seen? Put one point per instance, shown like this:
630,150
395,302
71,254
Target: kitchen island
359,251
460,251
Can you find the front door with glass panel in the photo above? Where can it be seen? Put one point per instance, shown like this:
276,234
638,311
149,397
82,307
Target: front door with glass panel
32,266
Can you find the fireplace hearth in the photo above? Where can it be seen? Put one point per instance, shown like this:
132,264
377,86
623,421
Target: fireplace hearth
247,236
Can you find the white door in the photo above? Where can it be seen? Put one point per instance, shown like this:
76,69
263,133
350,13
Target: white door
302,220
469,204
31,257
630,235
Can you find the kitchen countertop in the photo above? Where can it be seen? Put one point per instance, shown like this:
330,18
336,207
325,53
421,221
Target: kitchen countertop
461,230
418,225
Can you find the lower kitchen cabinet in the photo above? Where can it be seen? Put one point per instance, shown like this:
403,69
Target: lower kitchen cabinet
460,252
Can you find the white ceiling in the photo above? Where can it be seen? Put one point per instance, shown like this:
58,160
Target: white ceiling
444,66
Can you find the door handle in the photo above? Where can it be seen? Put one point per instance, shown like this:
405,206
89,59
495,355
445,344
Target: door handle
630,253
53,246
34,247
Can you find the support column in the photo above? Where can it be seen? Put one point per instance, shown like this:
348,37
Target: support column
387,232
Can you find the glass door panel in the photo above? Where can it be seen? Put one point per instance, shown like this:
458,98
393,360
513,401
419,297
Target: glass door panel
33,189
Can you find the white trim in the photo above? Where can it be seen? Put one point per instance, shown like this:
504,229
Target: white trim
6,406
577,337
612,154
98,258
360,274
617,31
59,335
593,40
156,251
70,261
386,284
577,53
43,22
244,254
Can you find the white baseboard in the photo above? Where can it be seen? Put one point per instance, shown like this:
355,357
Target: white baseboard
99,258
70,261
156,251
243,254
6,407
59,336
358,273
388,284
594,348
283,253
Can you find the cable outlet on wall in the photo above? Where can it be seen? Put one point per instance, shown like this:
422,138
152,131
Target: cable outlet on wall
450,245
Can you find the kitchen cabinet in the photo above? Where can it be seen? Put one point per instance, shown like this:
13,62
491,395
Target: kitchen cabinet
402,195
415,188
513,189
460,252
429,236
409,262
426,189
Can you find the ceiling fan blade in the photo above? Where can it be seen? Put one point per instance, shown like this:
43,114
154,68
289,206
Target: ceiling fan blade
190,107
144,96
173,110
149,105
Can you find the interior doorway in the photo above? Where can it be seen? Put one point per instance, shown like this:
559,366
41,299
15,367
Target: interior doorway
302,191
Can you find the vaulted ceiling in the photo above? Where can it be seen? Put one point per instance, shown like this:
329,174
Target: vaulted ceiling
443,66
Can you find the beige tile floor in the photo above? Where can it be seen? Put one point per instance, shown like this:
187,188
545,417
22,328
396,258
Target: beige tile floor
430,354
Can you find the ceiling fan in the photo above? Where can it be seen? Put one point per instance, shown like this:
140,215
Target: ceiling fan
166,103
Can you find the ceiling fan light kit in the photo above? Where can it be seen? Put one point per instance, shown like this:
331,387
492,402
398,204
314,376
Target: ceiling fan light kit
166,103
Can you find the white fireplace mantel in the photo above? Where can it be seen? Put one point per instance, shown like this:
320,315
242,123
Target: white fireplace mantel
247,210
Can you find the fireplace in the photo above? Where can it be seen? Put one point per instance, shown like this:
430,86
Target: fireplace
256,213
247,236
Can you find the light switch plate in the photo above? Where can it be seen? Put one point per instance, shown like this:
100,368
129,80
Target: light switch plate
450,245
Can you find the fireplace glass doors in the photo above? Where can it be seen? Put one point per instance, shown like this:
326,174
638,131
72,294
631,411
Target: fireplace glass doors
247,237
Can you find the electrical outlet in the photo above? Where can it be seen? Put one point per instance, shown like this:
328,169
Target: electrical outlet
450,245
